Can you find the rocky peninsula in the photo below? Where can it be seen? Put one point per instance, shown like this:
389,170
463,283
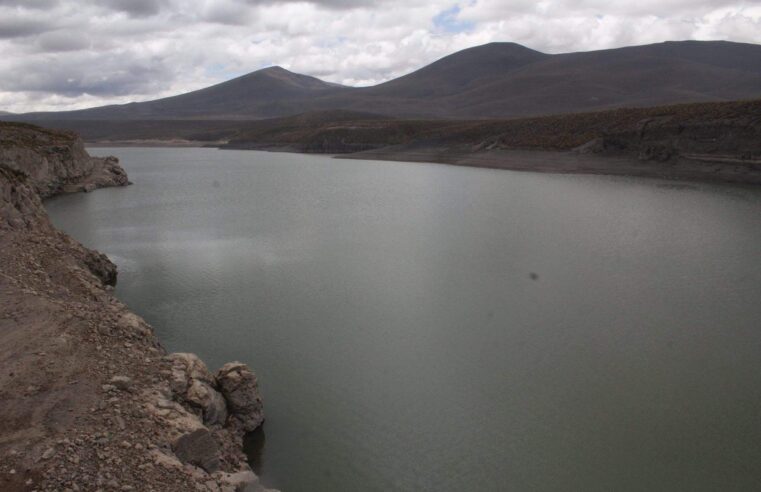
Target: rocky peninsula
89,398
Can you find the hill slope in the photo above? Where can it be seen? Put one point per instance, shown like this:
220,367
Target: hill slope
265,93
497,80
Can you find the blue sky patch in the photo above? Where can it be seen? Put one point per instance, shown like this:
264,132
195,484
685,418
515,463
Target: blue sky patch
447,21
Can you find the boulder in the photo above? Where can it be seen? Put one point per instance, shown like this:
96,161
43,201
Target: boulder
209,401
185,368
100,266
240,388
198,448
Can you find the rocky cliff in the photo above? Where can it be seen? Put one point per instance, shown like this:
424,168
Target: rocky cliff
55,161
89,400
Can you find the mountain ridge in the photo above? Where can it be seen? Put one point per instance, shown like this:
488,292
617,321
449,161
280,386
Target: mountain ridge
495,80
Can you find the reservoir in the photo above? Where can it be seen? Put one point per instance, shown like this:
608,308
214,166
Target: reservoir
423,327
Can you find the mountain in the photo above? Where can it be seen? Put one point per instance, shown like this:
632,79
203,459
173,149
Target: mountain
664,73
265,93
497,80
503,80
461,71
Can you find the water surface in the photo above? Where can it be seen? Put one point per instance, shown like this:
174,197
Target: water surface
425,327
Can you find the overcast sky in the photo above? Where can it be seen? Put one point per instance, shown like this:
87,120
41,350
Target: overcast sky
68,54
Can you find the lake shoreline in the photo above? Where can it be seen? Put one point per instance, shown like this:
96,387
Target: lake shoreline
704,169
565,162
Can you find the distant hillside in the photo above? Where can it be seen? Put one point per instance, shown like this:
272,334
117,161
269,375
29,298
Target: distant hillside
498,80
699,141
731,129
265,93
460,72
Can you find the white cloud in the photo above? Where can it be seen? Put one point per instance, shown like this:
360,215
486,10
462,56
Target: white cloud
68,54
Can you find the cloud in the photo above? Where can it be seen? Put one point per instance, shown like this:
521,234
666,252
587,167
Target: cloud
67,54
329,4
59,41
17,27
124,75
134,8
29,4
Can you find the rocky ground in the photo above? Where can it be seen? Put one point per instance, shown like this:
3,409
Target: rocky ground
89,399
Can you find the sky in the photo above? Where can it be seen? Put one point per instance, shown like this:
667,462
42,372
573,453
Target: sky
70,54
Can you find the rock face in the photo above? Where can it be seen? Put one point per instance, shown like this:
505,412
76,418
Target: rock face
37,163
210,401
56,161
193,383
231,398
241,390
187,368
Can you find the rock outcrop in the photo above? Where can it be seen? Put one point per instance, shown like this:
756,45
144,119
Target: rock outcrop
231,398
240,388
88,396
56,161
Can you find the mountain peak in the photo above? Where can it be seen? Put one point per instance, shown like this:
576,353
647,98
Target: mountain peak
455,72
274,69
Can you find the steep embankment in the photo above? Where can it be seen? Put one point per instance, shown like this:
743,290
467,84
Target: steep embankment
88,397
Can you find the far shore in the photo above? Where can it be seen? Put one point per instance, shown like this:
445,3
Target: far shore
685,168
153,143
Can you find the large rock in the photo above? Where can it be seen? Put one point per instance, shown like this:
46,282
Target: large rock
193,383
99,265
198,448
211,403
185,368
240,388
